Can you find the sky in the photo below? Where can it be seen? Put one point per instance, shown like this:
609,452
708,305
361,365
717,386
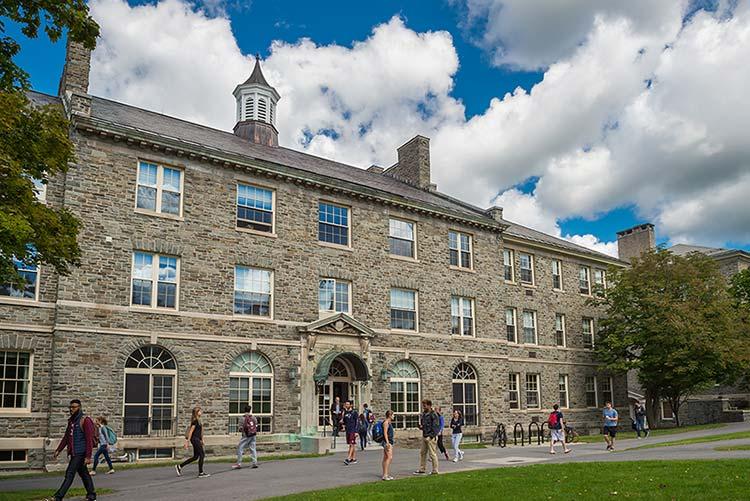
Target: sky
580,118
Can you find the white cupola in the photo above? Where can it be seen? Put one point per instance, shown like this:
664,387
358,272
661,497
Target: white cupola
256,109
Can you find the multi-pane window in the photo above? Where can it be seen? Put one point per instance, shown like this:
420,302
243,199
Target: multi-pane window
529,327
30,276
591,396
401,238
605,386
460,249
510,325
465,393
252,291
14,455
251,383
587,328
600,282
562,385
526,268
159,189
557,274
513,396
405,403
333,296
508,265
533,398
584,283
462,316
560,329
404,309
150,392
155,280
333,224
15,379
255,208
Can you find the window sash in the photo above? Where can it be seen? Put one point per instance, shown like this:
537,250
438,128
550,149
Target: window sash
405,402
529,327
513,391
333,224
334,296
255,208
560,329
605,389
526,268
510,325
584,284
465,400
587,328
155,409
401,238
149,269
462,316
557,274
508,265
562,385
253,291
15,379
591,393
460,246
403,309
255,390
30,275
159,188
533,397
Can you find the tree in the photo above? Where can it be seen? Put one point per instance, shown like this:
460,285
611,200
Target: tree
34,144
739,288
672,319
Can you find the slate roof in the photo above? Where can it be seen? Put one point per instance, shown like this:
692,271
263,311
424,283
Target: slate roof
714,252
256,77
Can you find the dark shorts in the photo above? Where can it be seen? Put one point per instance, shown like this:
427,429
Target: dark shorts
351,438
611,431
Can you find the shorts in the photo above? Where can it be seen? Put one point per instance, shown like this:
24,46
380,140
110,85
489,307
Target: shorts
383,444
611,431
351,438
557,436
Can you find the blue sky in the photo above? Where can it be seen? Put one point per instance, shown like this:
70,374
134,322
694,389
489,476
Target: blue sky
500,45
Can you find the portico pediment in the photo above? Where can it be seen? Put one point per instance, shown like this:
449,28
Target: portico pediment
337,326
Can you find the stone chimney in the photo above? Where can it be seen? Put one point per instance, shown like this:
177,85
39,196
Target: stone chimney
495,212
74,83
413,164
635,241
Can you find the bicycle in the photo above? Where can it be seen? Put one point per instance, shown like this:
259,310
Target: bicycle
570,434
500,438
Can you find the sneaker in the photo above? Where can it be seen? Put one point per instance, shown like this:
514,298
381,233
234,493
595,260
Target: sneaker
255,465
455,460
178,469
552,452
446,457
353,461
568,450
638,437
236,466
420,472
460,456
433,472
203,474
111,471
347,461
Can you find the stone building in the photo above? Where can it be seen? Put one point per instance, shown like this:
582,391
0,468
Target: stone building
220,269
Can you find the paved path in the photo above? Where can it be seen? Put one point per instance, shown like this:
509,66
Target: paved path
275,478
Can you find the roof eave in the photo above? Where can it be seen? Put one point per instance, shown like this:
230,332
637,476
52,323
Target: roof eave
583,254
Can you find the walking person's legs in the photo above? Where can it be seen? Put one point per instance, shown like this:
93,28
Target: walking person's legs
88,482
70,475
201,456
253,452
441,446
244,441
363,440
432,446
423,455
387,458
105,452
96,460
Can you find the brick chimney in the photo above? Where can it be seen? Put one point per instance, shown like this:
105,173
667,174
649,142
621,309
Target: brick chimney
74,83
635,241
413,164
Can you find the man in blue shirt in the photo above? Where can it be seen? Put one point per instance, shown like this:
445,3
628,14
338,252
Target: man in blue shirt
610,425
350,419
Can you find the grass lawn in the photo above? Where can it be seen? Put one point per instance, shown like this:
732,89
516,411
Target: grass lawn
473,446
588,439
698,440
668,480
733,448
37,494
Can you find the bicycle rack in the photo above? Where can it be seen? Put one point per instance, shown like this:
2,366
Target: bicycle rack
548,430
503,439
516,427
538,433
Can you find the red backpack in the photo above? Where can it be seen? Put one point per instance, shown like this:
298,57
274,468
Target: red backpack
552,421
249,427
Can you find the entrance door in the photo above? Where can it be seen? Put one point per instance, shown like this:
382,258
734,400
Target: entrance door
340,384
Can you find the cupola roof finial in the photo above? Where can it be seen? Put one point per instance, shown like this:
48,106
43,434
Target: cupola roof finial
256,77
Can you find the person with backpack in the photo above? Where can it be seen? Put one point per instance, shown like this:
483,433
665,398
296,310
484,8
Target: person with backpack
79,438
362,430
350,420
429,423
640,420
385,436
107,438
440,445
194,437
457,423
555,422
249,429
370,419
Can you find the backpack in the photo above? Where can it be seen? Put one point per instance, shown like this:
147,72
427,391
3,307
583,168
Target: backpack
552,421
377,432
111,435
249,427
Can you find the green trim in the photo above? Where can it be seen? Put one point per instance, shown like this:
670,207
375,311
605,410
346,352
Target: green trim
361,373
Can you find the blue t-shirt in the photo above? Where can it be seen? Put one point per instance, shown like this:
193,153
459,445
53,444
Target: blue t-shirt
609,413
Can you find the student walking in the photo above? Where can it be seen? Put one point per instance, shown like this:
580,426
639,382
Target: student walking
457,423
194,437
555,422
387,443
249,429
350,420
440,445
610,425
640,420
107,438
370,419
79,440
429,423
362,430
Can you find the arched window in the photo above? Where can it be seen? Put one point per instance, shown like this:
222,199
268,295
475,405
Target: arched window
251,383
465,392
150,392
404,378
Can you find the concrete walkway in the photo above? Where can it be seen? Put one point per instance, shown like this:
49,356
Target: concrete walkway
276,478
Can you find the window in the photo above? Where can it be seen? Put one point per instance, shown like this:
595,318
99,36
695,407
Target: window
560,329
465,393
557,274
460,249
513,391
533,398
526,267
255,208
404,309
30,276
510,325
587,327
405,402
13,456
462,316
160,453
333,296
606,389
40,189
15,380
562,385
150,269
251,383
584,286
159,189
150,392
401,238
600,282
591,396
667,414
529,327
253,291
333,224
508,265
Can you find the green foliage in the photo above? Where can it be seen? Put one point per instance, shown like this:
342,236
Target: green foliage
54,16
739,287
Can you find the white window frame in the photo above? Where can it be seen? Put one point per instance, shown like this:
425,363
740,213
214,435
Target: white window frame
13,461
603,282
252,376
470,237
562,386
159,188
595,392
155,281
533,378
413,241
514,379
523,327
464,382
509,263
590,322
462,318
611,391
515,324
348,225
521,269
271,294
561,316
664,416
588,280
27,408
151,373
416,309
13,299
138,453
336,281
557,263
395,378
273,208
